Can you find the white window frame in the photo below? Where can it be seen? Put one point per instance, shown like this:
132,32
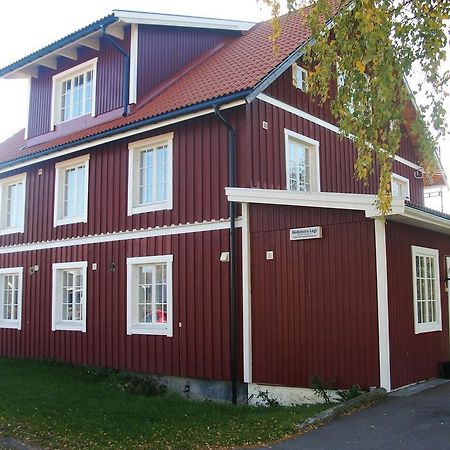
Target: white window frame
313,148
133,327
404,183
67,325
4,183
428,326
133,176
12,323
57,81
60,167
300,77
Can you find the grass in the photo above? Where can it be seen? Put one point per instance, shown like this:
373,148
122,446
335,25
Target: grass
57,406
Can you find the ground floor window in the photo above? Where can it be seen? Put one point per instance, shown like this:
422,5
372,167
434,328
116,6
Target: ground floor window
11,297
149,296
69,296
427,298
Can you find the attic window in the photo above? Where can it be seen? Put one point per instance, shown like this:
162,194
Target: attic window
400,186
300,77
74,92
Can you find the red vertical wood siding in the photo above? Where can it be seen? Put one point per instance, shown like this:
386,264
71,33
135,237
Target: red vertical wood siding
284,90
267,168
165,50
200,348
414,357
108,89
314,306
199,181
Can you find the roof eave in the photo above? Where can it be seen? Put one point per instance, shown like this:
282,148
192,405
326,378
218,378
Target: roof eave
147,18
27,66
186,111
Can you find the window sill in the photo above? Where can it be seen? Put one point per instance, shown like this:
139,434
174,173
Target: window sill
68,221
429,328
6,231
10,324
160,206
150,330
67,326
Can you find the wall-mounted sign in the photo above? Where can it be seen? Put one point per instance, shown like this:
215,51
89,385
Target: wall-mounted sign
297,234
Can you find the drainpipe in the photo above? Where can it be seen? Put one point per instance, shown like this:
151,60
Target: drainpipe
232,237
126,71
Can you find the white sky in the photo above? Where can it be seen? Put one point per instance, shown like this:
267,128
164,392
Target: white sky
30,25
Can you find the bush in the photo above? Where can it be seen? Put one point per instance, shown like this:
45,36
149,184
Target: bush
353,392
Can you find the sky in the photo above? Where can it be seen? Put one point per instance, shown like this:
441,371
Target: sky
30,25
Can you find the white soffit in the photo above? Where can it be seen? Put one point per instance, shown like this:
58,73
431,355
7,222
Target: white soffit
70,51
423,219
148,18
333,200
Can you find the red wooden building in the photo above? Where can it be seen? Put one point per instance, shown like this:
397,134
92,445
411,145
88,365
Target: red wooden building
178,205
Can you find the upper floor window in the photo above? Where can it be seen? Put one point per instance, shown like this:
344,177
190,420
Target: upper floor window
426,288
150,174
74,92
11,297
149,298
300,77
71,191
302,162
69,296
400,186
12,201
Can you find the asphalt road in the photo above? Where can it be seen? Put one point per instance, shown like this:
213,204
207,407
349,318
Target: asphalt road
418,422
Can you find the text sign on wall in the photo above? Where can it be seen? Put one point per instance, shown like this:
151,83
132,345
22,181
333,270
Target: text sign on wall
298,234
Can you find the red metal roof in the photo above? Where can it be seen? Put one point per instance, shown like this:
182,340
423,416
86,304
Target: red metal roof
239,65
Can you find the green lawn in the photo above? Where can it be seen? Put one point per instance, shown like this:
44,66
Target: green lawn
56,406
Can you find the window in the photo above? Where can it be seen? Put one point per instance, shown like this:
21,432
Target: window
302,162
69,296
12,194
400,186
11,297
149,296
150,174
74,92
71,191
300,77
427,296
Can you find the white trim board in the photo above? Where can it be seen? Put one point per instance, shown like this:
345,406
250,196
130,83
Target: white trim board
246,295
382,304
134,46
422,219
304,115
196,227
333,200
174,20
78,147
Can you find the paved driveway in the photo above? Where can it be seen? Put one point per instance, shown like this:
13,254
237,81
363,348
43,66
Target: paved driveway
420,421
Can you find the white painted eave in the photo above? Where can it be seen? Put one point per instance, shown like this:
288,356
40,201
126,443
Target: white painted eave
92,40
332,200
173,20
423,219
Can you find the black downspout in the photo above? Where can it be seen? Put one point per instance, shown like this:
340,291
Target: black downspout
126,71
232,212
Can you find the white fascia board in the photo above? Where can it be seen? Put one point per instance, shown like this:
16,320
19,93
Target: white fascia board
172,20
423,219
333,200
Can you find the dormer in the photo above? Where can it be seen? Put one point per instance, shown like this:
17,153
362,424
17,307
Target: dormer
99,72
